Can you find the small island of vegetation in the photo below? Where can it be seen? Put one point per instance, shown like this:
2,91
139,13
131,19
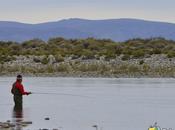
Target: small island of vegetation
154,57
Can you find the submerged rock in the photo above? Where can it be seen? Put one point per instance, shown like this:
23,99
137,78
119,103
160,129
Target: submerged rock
47,118
27,122
9,125
5,125
8,121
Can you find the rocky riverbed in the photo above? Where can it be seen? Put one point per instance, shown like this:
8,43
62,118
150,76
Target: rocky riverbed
12,126
72,66
9,125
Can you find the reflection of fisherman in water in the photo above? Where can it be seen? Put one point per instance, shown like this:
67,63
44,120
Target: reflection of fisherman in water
17,118
18,91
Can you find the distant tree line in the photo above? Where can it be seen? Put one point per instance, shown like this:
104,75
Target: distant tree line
90,48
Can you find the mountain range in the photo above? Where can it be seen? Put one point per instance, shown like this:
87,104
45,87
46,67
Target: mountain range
114,29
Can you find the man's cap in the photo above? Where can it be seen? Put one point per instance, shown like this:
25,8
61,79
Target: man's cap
19,76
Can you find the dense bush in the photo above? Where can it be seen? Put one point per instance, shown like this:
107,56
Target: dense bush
59,58
45,60
138,54
126,57
89,48
171,54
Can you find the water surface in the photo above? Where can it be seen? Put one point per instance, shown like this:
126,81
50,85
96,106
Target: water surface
80,103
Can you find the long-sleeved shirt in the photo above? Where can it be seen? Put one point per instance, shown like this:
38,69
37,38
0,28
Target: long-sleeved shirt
20,87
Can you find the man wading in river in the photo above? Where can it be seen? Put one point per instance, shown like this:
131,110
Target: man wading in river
18,91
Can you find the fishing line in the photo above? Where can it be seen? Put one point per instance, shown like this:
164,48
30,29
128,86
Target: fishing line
65,94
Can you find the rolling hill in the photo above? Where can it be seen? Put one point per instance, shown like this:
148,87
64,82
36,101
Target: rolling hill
115,29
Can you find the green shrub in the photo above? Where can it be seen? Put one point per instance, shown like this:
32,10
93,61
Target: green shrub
45,60
5,58
92,67
141,62
62,68
156,51
50,69
127,51
146,68
37,60
171,54
138,54
59,58
118,50
133,69
126,57
110,55
88,54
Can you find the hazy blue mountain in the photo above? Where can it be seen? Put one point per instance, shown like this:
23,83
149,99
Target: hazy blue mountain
115,29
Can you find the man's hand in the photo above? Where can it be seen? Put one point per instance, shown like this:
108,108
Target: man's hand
28,93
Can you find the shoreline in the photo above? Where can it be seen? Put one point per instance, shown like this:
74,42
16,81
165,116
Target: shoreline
156,66
85,76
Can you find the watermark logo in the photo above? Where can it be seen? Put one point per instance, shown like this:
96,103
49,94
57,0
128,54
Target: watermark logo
157,127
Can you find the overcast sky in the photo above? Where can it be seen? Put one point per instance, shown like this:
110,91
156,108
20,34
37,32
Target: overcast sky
37,11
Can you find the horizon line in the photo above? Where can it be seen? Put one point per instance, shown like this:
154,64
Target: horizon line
142,19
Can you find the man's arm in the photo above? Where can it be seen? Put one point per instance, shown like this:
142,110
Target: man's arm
21,89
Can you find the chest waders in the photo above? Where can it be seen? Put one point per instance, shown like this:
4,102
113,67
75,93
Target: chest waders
18,99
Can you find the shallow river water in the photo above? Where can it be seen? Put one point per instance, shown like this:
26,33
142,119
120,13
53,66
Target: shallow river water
80,103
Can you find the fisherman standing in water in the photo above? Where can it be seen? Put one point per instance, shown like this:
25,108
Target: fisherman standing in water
18,91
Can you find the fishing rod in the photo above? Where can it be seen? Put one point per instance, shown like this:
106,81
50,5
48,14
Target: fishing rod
65,94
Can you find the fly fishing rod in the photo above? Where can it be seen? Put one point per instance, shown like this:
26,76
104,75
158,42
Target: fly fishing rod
65,94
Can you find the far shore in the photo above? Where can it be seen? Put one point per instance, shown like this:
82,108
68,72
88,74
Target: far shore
89,58
64,75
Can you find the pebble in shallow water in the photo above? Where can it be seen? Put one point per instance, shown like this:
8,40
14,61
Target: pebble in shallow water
27,122
47,118
4,125
8,124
